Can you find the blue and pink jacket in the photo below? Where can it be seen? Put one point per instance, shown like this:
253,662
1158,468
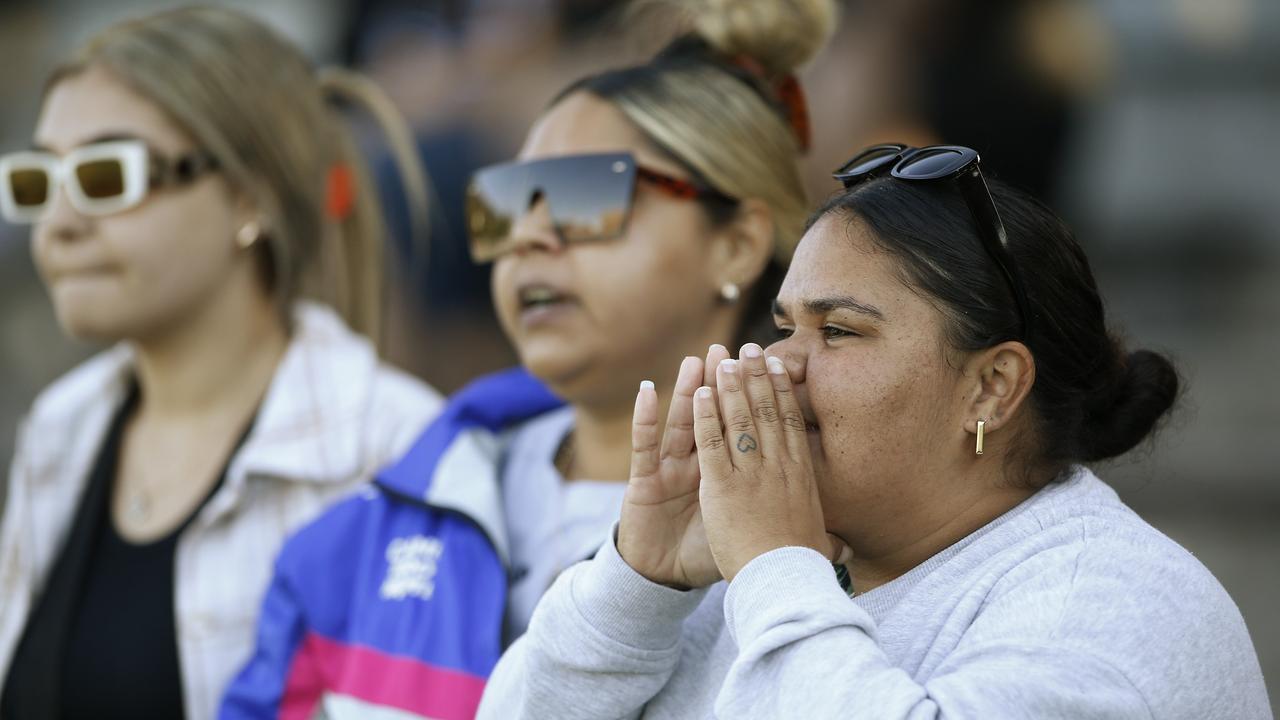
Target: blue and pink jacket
390,605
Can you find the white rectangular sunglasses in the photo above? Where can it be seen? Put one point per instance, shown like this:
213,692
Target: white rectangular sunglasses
100,179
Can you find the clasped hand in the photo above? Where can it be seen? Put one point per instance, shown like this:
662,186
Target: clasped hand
728,479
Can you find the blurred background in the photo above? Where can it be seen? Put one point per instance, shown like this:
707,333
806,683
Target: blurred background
1153,126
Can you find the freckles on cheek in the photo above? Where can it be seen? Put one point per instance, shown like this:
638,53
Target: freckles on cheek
855,417
845,439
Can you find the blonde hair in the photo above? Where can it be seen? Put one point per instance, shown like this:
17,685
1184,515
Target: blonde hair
728,131
715,101
252,100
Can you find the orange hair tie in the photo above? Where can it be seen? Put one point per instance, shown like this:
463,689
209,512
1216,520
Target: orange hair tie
340,192
788,93
793,99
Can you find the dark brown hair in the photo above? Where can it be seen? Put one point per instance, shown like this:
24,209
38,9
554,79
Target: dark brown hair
1093,399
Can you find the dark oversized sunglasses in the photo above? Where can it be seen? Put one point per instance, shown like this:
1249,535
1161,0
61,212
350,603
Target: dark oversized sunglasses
946,163
588,197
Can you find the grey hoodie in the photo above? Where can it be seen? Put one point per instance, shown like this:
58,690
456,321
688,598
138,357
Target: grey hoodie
1067,606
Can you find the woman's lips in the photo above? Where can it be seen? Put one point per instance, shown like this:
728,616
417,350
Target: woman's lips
97,272
544,314
806,412
541,303
810,425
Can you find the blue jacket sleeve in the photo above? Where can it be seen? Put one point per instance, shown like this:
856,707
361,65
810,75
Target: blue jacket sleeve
273,675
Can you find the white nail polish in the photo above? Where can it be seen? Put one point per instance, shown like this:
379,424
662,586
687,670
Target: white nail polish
704,392
646,384
751,350
729,365
775,365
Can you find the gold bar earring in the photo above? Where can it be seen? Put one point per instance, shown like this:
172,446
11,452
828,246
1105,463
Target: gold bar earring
981,425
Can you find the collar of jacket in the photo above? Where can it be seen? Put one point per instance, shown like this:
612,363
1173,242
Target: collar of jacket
306,429
309,425
455,464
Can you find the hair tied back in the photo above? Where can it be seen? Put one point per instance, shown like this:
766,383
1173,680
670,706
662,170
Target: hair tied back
340,193
787,92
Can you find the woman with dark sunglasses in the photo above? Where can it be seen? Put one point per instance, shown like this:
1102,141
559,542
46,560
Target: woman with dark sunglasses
190,183
649,214
944,372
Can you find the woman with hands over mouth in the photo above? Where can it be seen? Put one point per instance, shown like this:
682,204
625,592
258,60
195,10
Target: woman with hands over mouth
944,372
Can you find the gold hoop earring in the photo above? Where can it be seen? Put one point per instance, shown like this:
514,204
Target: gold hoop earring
730,293
982,424
248,235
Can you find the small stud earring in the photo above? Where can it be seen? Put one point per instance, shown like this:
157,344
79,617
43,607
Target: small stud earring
730,292
248,235
982,424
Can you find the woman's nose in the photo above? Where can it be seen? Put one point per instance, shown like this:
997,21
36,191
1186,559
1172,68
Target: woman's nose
793,358
535,230
62,221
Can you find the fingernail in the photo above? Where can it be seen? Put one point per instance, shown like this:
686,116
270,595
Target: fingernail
704,392
775,365
751,350
729,365
646,384
717,346
846,554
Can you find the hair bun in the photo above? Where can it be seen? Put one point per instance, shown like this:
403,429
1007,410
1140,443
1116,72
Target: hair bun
1128,413
781,35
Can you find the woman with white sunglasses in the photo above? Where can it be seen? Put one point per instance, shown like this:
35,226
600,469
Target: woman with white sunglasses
650,212
189,183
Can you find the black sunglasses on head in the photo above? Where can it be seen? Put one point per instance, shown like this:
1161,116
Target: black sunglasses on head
588,198
944,163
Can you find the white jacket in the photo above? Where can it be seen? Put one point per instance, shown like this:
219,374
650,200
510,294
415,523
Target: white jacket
332,416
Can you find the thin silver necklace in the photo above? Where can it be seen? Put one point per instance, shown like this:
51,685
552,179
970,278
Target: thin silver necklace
138,506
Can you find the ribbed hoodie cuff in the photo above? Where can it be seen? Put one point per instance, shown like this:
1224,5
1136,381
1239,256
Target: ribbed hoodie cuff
627,607
786,585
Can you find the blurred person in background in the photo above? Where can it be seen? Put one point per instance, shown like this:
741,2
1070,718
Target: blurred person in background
944,373
651,212
190,184
1009,78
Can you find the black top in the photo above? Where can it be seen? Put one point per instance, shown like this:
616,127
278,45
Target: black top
101,640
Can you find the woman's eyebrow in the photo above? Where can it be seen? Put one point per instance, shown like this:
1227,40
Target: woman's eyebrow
822,306
105,137
110,137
